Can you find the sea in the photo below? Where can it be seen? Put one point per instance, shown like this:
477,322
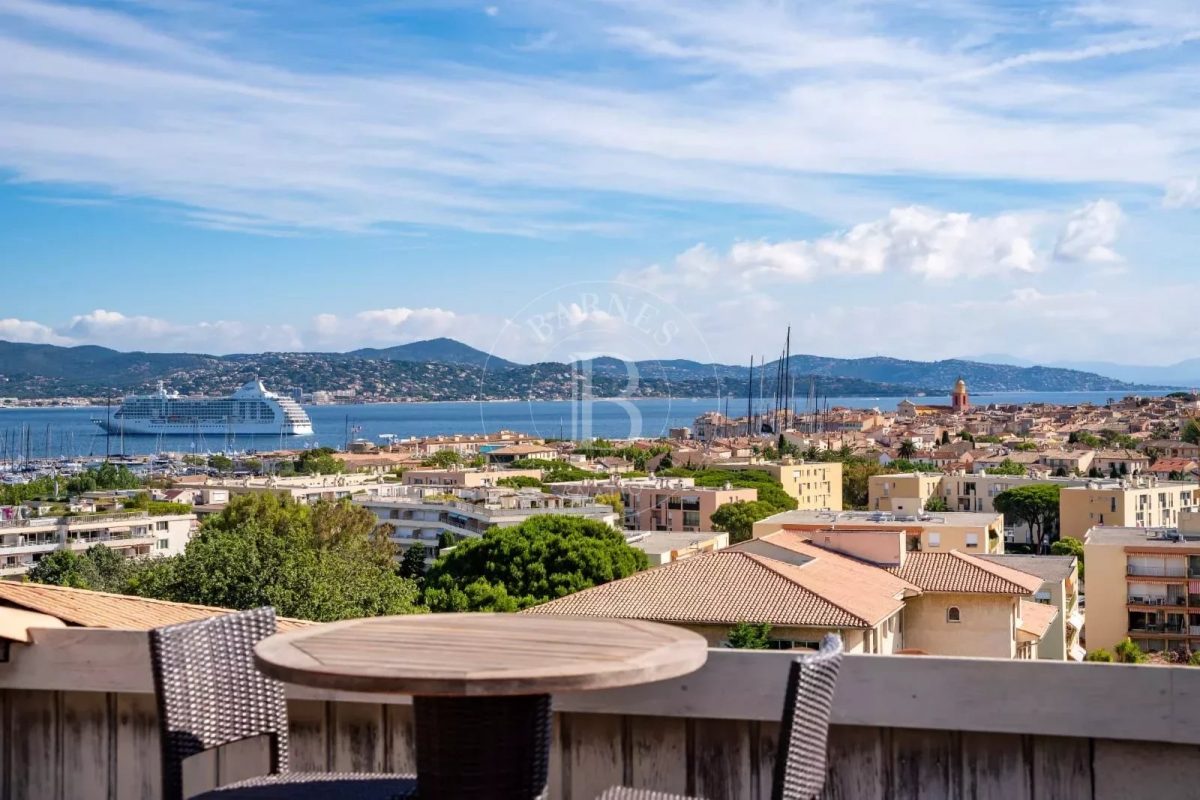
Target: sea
71,432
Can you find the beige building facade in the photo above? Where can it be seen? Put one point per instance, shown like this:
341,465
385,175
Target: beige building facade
968,532
1139,502
1144,585
660,504
815,485
902,493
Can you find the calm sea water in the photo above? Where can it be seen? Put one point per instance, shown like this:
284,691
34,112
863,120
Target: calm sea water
71,432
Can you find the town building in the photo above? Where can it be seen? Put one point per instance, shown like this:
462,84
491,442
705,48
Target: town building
517,452
26,540
660,504
815,485
420,515
464,478
902,493
301,488
663,547
1137,502
866,586
1060,589
1145,585
967,532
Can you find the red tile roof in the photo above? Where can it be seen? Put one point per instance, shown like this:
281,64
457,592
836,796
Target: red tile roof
89,609
958,572
725,588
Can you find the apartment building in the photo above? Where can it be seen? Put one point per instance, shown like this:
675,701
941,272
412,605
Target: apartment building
902,493
1123,462
1144,584
815,485
25,541
1069,462
420,515
1142,501
464,478
866,586
660,504
968,532
1060,589
301,488
663,547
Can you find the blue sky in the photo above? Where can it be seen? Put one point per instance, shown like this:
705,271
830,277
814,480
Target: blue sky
918,180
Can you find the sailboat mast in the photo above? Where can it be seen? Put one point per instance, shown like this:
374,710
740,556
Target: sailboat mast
750,399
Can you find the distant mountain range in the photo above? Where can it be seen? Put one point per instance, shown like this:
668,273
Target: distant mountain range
445,369
1184,374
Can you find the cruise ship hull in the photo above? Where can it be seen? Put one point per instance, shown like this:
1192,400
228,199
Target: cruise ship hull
249,411
168,428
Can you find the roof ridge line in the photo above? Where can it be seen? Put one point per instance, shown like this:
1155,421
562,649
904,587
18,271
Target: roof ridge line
824,599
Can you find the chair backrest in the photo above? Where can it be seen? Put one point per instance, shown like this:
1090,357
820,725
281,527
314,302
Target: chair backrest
804,732
210,693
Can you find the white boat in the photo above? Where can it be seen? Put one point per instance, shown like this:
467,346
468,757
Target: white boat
249,410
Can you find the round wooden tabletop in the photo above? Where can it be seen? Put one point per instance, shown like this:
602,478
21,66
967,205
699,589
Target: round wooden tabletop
480,654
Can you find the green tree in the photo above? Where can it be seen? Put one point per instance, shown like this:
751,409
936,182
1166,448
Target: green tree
543,558
613,499
221,463
899,465
1025,447
1069,546
106,477
856,479
521,482
319,461
1100,654
737,519
1036,506
1191,432
412,565
907,449
442,459
315,562
937,503
1126,652
750,636
98,568
1007,467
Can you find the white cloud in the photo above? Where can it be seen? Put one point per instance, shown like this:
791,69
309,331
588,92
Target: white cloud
23,330
1183,193
1090,234
491,11
126,105
123,332
930,244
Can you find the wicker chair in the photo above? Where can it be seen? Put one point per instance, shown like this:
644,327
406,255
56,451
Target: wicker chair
210,694
803,732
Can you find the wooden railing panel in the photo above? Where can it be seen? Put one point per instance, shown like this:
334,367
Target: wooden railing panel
308,740
139,771
721,760
1061,767
85,745
36,760
859,760
658,753
995,766
593,757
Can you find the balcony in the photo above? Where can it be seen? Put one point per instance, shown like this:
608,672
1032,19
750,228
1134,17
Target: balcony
1143,571
79,719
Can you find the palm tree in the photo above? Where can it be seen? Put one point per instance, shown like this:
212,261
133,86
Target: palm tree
907,449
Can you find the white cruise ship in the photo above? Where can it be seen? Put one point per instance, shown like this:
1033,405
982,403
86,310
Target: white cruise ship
249,410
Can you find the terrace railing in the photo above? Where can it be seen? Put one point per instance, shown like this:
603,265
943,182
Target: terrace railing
77,720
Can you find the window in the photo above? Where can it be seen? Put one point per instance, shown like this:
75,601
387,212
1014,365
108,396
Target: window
972,540
953,614
935,540
161,525
163,544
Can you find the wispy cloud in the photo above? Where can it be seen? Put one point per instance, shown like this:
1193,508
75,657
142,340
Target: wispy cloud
749,103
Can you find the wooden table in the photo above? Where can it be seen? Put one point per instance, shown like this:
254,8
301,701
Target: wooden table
481,682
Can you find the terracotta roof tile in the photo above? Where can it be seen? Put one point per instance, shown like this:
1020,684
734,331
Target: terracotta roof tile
720,588
90,609
958,572
1036,618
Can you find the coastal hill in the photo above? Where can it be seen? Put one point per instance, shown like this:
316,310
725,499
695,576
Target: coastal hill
445,369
